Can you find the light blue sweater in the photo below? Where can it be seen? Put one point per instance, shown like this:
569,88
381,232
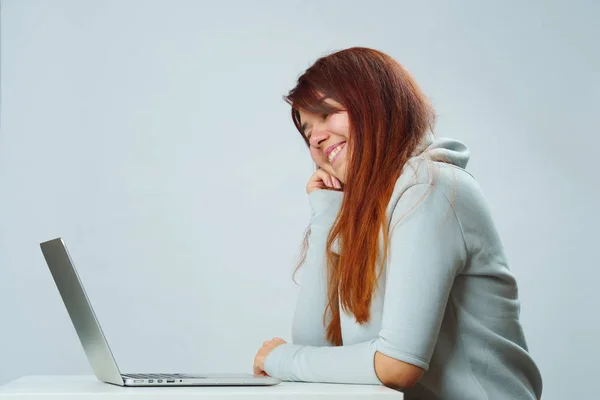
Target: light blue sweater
447,301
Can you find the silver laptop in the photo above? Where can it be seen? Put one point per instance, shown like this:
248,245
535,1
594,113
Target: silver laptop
95,344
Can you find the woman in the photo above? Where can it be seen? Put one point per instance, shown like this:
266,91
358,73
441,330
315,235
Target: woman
405,282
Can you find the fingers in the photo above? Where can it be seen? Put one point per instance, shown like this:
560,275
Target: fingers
322,176
278,340
329,180
263,352
321,180
257,366
336,182
258,371
273,342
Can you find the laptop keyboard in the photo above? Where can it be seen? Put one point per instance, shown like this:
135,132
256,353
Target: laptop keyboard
163,376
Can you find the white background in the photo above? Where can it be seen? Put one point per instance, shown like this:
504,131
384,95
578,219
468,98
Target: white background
152,136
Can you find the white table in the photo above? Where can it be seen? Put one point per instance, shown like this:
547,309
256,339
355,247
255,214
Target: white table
86,387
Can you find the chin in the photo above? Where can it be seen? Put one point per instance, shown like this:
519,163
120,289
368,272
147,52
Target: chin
341,175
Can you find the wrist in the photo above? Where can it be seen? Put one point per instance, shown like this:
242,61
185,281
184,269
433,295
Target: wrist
325,203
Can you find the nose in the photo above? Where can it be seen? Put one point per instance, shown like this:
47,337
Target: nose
318,135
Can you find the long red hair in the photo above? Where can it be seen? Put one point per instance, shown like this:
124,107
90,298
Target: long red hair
388,117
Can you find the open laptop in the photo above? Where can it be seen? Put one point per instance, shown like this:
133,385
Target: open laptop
95,344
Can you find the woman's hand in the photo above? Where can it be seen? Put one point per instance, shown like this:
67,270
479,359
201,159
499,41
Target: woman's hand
263,352
321,180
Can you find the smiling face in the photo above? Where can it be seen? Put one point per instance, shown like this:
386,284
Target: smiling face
328,136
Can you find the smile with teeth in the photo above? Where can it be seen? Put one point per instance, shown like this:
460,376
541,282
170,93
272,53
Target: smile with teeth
336,151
